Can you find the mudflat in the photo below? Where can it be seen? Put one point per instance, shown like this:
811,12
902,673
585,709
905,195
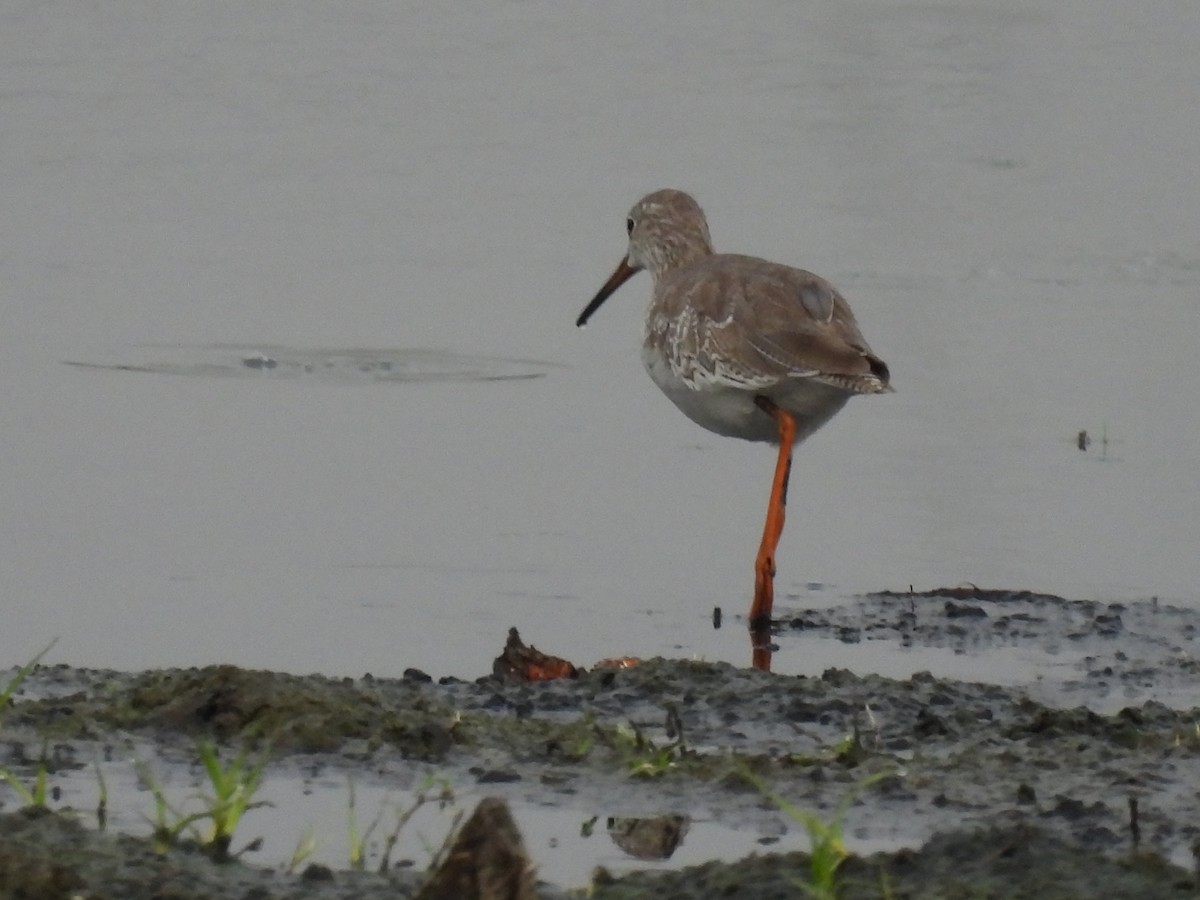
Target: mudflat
1076,779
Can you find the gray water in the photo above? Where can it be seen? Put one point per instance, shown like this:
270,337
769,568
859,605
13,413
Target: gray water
320,265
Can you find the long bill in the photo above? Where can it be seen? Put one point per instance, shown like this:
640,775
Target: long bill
620,275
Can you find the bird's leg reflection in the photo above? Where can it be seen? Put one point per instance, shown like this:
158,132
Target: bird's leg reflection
761,649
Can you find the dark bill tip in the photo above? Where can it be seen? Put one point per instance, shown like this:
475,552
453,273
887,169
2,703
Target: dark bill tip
620,275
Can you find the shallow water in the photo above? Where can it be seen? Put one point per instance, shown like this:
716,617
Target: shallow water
1007,196
313,812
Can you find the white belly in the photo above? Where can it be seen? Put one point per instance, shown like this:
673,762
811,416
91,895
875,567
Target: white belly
730,410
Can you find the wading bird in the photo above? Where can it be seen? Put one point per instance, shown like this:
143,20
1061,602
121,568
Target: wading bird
744,347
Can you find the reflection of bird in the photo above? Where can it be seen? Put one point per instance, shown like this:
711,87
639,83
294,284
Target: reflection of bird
744,347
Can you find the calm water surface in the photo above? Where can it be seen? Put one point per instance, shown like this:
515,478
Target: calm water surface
404,209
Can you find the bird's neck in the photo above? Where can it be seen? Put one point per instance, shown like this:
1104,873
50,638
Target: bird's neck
678,251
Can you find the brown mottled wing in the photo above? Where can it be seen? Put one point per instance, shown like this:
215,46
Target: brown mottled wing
778,323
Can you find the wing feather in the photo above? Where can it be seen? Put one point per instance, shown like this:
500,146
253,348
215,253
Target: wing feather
746,322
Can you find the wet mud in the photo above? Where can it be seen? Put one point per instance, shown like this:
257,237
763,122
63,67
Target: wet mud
412,365
1075,778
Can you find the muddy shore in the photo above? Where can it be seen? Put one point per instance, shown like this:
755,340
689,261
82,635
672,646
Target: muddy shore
1080,781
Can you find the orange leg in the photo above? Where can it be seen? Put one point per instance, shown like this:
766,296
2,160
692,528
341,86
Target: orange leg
764,565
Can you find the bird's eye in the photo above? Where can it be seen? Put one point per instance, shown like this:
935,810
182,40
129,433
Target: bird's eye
629,225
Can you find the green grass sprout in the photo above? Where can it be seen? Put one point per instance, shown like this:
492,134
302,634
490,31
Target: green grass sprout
233,787
305,848
35,796
827,848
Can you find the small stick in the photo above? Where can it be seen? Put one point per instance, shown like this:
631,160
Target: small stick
1134,831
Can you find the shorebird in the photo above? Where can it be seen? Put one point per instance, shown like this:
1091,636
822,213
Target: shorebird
744,347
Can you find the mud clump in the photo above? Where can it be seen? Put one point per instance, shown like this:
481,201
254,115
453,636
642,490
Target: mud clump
309,714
